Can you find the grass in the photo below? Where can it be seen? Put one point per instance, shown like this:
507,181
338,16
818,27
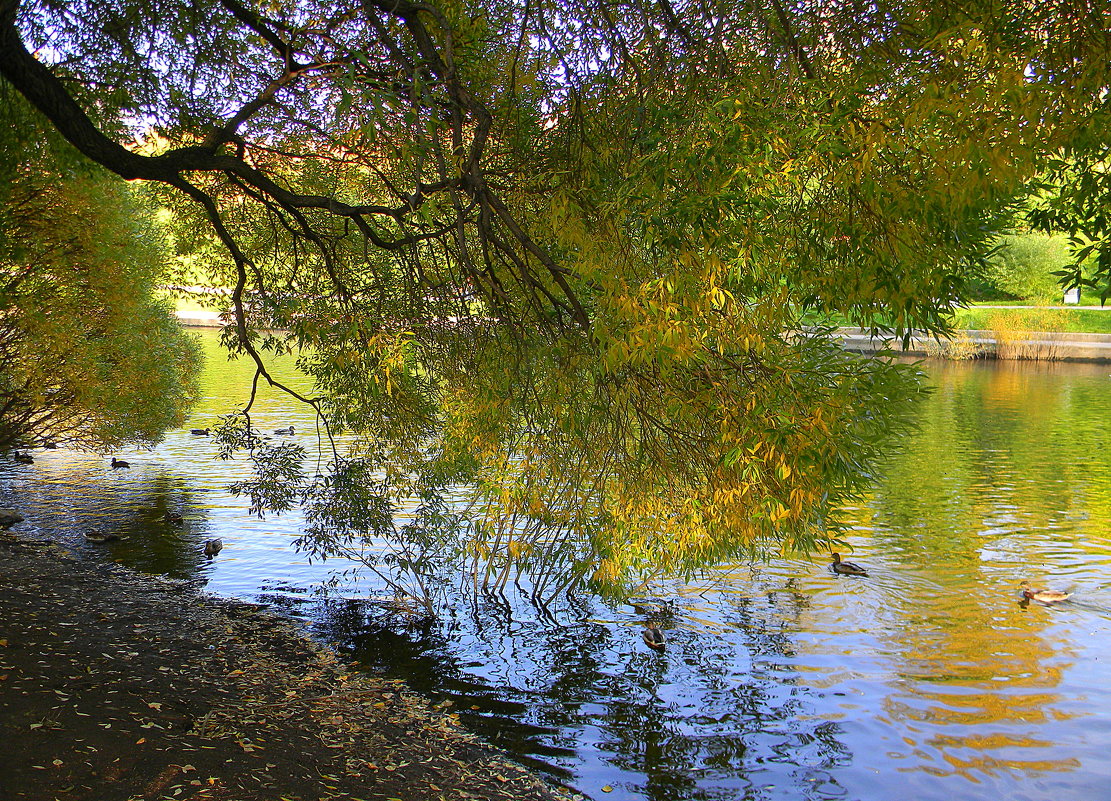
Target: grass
1073,320
187,305
1087,300
1078,320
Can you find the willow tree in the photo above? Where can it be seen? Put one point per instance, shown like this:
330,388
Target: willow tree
89,356
566,255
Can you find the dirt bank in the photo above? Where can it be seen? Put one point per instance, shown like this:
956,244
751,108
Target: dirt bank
115,685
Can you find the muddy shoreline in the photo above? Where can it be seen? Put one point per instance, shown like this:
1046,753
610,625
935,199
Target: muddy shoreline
116,685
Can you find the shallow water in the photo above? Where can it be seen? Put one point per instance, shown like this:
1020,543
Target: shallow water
927,680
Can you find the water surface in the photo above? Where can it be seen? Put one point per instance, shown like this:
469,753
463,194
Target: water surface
927,680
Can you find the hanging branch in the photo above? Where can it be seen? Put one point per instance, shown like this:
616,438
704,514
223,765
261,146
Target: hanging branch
243,335
797,49
471,124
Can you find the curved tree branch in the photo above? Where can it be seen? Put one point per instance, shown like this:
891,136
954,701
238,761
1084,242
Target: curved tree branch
461,175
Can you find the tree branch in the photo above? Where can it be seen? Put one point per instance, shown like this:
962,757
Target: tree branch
792,40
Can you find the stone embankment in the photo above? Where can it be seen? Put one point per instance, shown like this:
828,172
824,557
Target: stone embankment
984,344
200,319
1045,345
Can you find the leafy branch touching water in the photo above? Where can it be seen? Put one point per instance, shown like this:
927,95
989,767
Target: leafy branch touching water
548,263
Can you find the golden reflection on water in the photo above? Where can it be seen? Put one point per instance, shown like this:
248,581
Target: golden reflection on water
976,502
1007,478
928,674
986,762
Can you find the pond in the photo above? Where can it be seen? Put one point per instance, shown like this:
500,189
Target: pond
780,680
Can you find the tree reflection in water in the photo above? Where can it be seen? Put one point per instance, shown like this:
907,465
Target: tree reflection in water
684,723
778,681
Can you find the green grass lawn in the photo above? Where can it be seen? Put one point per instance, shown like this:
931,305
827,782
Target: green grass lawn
1074,320
188,305
194,304
1077,319
1089,301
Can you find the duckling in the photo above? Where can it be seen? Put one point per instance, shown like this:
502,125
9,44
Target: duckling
846,568
1045,596
23,458
201,432
653,637
118,463
173,518
212,547
286,431
50,445
98,539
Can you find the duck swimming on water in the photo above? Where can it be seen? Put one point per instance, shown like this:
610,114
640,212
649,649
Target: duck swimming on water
1045,596
653,637
98,539
118,463
846,568
212,547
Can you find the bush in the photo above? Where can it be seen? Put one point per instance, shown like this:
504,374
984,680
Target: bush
1022,269
1014,333
958,347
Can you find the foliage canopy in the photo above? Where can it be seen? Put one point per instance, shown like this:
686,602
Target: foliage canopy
89,356
558,253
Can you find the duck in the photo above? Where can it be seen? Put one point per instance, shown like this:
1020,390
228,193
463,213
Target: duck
50,445
846,568
653,637
1045,596
212,547
97,539
23,458
201,432
651,608
118,463
173,518
286,431
9,517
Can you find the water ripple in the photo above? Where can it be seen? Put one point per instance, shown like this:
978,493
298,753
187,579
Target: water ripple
780,680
